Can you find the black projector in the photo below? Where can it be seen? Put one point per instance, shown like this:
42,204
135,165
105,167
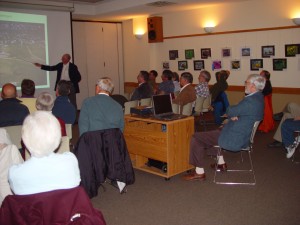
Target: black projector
141,110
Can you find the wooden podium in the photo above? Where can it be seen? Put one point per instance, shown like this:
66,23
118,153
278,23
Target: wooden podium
166,141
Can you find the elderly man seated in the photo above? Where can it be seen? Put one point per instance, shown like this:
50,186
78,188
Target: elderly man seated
234,135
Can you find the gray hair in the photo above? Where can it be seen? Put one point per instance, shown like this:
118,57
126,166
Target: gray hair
258,81
44,101
41,133
106,84
206,75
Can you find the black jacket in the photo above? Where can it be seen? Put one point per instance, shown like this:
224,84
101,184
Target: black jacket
74,74
142,91
103,154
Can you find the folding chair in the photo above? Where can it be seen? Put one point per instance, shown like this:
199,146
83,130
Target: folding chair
129,105
248,149
297,141
201,107
145,102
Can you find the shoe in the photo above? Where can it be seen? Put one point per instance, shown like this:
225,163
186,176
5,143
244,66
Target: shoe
275,144
290,151
221,167
194,176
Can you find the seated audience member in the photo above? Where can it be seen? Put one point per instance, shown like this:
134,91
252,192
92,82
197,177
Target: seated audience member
291,110
268,122
152,79
63,108
289,126
144,90
176,82
27,98
187,92
202,89
166,86
234,135
219,101
11,110
101,111
45,102
9,155
45,170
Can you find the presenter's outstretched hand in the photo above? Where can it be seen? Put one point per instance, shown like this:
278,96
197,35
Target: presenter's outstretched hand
38,65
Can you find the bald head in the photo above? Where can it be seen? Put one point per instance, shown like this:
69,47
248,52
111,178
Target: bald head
9,91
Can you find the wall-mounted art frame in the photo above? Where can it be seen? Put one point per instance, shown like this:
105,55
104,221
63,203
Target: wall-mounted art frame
246,51
166,65
235,64
216,65
256,64
267,51
173,54
199,64
279,64
292,50
182,65
205,53
226,52
189,53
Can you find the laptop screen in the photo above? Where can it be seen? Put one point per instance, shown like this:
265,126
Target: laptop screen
162,104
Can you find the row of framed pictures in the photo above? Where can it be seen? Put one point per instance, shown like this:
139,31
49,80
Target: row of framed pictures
291,50
255,64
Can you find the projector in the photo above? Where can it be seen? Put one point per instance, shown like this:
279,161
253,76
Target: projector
141,110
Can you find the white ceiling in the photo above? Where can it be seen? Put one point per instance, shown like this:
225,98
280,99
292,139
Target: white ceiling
119,10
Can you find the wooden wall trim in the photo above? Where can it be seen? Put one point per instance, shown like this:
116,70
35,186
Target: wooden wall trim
276,90
233,32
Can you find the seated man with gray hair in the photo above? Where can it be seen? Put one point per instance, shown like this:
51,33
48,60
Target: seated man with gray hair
101,111
45,170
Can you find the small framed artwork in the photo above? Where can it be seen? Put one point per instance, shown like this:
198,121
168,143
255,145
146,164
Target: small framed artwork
279,64
189,53
166,65
216,65
205,53
256,64
246,51
235,64
292,50
173,54
198,64
267,51
182,65
226,52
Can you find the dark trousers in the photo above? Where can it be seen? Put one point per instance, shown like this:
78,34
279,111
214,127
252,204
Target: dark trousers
202,143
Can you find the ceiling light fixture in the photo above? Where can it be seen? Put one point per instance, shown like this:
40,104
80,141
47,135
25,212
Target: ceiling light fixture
208,29
139,36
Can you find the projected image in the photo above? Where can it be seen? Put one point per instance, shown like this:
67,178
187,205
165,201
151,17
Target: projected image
23,41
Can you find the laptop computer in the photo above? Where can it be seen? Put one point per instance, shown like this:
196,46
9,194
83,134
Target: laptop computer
162,108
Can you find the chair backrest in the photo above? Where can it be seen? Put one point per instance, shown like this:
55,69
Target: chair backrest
145,101
206,104
199,104
187,109
254,129
69,130
15,135
175,108
129,105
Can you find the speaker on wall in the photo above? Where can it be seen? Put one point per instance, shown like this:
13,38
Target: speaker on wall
155,29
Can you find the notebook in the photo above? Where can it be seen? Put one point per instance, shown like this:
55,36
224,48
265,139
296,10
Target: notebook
162,108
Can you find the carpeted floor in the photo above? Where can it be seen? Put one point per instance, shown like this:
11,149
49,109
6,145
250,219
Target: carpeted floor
274,200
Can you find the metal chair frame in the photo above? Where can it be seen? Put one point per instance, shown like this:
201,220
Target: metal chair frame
248,149
298,137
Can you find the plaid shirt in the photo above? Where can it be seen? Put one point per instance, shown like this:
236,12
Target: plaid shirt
202,90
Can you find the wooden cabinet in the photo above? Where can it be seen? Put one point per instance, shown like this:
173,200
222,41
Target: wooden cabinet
160,140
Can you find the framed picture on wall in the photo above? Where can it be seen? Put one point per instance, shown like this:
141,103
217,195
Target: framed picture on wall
189,53
182,65
198,64
166,65
216,65
279,64
267,51
173,54
226,52
205,53
292,50
256,64
245,51
235,64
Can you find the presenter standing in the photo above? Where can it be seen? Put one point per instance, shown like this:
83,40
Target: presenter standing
65,71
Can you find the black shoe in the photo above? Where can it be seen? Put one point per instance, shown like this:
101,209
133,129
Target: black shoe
275,144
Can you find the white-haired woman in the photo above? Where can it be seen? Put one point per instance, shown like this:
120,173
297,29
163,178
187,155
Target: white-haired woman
9,155
45,170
